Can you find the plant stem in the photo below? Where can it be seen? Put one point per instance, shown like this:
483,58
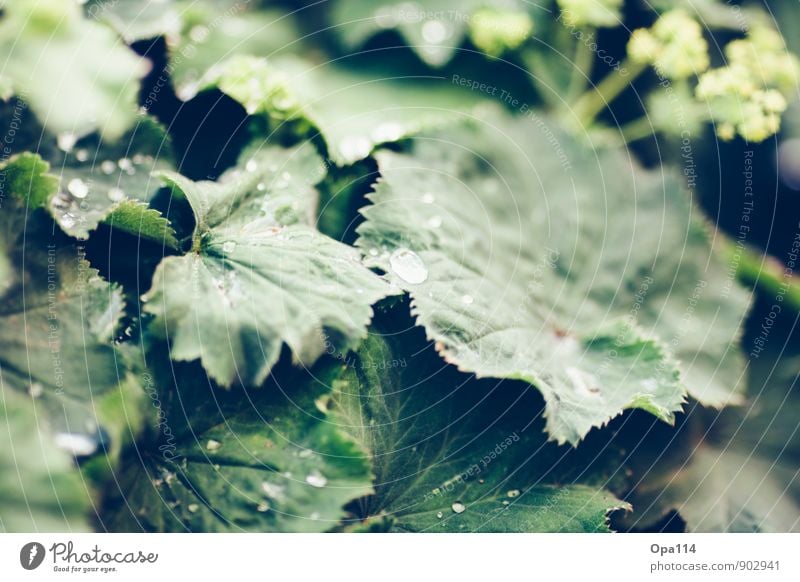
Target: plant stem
582,70
542,79
597,98
637,129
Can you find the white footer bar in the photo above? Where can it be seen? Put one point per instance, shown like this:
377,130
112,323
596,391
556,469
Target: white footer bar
389,557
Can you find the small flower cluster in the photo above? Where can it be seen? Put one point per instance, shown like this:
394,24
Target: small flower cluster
496,31
599,13
674,46
747,96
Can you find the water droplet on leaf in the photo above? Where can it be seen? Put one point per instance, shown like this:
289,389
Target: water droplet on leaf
458,507
316,479
116,194
78,188
407,265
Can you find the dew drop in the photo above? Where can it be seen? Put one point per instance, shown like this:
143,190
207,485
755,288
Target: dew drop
434,31
388,131
458,507
213,445
35,390
78,188
467,300
251,166
198,33
263,507
316,479
76,444
126,166
650,384
513,493
67,220
82,155
435,221
385,18
66,141
583,382
355,147
108,167
193,507
428,198
407,265
261,186
116,194
272,491
439,514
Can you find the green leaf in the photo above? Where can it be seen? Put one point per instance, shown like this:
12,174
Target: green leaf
259,274
25,177
265,460
99,183
211,32
454,454
530,256
352,111
434,29
743,477
136,20
40,488
58,323
75,73
139,219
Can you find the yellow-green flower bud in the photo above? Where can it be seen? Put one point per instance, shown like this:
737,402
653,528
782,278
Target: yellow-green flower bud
496,31
598,13
674,45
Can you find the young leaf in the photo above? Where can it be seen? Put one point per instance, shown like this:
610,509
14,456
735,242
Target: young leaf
205,40
40,488
98,183
75,73
353,112
259,274
434,29
545,261
263,461
453,454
